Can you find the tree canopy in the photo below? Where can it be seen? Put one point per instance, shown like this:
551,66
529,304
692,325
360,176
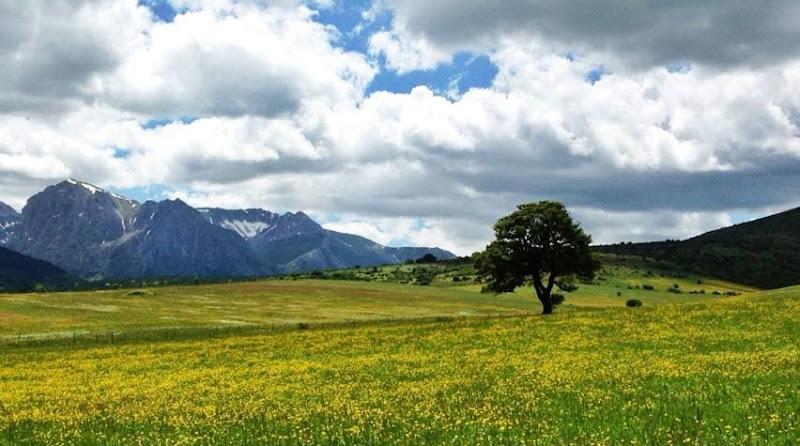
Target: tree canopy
536,244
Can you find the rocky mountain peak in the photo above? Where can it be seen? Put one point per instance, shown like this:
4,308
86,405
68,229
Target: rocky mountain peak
7,211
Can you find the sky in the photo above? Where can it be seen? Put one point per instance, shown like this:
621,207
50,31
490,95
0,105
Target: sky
412,122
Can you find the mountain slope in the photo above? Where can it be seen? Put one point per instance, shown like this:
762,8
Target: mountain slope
69,223
294,242
97,234
9,221
246,222
170,238
762,253
22,273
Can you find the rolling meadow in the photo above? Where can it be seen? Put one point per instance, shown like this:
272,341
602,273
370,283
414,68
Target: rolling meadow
376,362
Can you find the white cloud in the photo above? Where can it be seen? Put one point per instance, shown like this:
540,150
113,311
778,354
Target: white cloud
405,53
719,34
241,60
285,123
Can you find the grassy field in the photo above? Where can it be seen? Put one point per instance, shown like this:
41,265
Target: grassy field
237,307
376,362
373,294
718,372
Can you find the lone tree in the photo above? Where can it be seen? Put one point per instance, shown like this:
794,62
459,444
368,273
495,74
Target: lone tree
538,243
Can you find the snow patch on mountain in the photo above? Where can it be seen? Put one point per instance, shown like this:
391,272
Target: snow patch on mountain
94,189
246,229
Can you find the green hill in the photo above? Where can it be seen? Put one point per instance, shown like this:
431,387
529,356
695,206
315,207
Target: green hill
22,273
761,253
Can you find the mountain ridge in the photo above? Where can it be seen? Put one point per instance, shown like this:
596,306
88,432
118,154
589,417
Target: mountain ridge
94,233
761,252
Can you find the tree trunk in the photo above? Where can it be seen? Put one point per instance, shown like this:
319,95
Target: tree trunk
547,305
543,293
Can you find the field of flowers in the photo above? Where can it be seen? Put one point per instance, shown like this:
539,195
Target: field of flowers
721,372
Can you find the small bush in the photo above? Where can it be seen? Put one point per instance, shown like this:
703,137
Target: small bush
136,293
619,293
674,290
557,299
648,287
633,303
567,284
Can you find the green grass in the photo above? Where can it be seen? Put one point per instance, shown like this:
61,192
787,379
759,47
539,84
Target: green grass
724,371
197,310
305,361
237,307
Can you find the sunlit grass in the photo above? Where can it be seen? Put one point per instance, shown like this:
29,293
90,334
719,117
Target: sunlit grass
719,372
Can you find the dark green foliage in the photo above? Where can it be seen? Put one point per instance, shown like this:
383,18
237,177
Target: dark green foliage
538,243
424,276
427,258
633,303
567,284
674,290
648,287
22,273
557,299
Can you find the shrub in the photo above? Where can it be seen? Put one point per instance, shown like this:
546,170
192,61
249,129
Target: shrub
648,287
674,290
567,284
619,293
633,303
557,299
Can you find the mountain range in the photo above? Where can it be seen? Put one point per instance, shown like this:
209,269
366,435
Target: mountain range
96,234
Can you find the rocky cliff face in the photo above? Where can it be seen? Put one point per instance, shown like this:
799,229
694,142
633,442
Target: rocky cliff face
171,238
70,225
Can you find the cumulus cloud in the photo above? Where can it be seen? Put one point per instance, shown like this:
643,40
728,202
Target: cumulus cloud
642,34
236,61
405,53
285,123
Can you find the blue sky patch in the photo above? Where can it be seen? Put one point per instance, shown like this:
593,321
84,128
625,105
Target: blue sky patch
596,74
155,192
121,153
466,71
679,67
161,122
570,56
161,9
354,30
